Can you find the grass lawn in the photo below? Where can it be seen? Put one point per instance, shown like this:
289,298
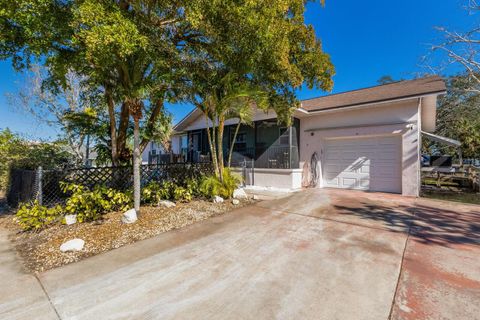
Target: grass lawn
463,197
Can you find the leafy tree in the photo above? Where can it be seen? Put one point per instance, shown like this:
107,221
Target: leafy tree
139,54
259,44
11,147
129,50
18,152
459,116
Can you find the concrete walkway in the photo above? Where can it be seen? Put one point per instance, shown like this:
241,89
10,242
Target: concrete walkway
21,294
317,254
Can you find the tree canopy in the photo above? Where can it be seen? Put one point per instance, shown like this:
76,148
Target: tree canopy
459,115
135,55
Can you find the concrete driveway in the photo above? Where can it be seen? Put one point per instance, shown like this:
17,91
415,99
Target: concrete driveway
317,254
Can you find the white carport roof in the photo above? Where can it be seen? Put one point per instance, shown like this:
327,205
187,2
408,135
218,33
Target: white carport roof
444,140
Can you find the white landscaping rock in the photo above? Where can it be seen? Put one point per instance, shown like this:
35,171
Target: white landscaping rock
72,245
70,219
236,202
129,216
166,204
217,199
239,194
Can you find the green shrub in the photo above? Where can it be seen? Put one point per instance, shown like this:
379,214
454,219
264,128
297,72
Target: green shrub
33,216
154,192
182,194
90,205
212,186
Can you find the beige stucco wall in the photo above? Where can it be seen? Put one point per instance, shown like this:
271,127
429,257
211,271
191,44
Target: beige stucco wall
393,119
277,178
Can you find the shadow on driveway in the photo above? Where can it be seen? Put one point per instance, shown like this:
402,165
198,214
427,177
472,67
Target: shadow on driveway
429,224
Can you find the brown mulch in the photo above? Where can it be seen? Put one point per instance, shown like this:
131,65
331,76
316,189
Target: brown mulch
40,250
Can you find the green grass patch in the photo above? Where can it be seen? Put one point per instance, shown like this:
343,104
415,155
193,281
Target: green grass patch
463,197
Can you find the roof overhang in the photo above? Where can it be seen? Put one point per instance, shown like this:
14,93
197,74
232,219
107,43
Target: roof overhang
368,104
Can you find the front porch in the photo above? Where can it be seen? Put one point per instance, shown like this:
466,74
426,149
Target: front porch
265,144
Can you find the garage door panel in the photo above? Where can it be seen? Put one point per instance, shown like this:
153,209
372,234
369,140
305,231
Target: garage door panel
365,168
364,163
349,182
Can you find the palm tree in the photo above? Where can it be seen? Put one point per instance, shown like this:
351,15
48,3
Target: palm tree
231,97
135,107
241,104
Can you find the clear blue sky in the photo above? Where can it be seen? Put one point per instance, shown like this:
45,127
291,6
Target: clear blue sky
366,40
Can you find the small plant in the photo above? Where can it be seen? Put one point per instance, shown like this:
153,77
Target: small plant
182,194
212,186
34,216
154,192
90,205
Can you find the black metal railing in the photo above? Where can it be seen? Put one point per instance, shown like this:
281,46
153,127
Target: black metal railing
278,157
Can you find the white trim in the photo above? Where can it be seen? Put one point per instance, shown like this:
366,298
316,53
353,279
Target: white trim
419,146
407,124
370,104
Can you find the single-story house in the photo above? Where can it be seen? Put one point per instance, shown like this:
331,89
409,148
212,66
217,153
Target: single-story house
367,139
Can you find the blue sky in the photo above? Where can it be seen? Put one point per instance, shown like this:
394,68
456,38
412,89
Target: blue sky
366,40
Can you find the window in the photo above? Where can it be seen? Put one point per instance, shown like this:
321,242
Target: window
183,144
183,141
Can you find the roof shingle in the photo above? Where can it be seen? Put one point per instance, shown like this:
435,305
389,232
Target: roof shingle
391,91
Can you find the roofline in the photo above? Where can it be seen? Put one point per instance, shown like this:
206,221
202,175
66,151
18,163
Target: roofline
347,106
355,105
371,87
185,118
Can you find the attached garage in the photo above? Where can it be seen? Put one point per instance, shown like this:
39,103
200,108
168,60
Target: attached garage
364,163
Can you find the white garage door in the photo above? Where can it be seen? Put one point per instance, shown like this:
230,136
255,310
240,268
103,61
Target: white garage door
363,163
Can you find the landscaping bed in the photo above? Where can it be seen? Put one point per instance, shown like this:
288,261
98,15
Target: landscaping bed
40,250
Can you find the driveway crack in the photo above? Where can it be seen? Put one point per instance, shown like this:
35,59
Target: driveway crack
48,297
401,265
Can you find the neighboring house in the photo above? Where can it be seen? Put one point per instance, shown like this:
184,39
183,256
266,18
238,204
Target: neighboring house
91,155
367,139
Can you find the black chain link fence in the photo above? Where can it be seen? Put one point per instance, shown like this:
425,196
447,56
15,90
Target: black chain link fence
44,185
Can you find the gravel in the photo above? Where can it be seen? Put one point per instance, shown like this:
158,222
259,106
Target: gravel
40,250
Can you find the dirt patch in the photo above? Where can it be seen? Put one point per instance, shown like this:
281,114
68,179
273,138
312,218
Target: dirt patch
40,250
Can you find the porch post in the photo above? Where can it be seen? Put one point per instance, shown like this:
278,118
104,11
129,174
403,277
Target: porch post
254,140
289,147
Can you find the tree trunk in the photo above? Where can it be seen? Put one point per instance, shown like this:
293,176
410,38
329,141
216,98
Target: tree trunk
151,122
113,125
211,142
136,164
233,144
122,153
221,124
